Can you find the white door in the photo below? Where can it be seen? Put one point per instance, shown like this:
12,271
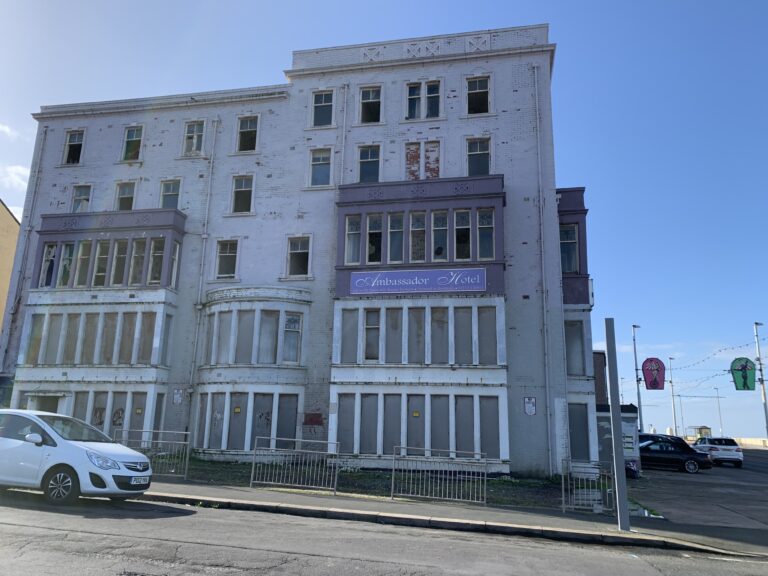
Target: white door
19,460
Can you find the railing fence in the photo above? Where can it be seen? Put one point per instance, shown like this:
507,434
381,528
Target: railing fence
168,451
588,485
295,463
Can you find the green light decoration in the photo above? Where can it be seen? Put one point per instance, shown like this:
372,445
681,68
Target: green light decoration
743,372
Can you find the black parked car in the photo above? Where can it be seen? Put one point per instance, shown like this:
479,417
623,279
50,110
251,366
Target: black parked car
661,451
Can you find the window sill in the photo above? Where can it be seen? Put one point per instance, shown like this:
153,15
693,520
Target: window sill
130,162
238,214
329,127
483,115
422,120
78,165
235,280
193,157
323,187
302,278
368,124
243,153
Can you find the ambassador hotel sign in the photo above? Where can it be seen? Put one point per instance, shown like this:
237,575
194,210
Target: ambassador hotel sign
410,281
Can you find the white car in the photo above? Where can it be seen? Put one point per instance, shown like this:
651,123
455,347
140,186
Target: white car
721,450
65,457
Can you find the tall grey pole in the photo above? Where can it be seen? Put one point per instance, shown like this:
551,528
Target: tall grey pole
637,381
762,378
719,414
617,435
672,388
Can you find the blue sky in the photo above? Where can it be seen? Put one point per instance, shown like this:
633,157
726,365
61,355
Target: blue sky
659,110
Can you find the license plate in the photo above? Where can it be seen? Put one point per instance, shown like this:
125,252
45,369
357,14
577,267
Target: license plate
140,480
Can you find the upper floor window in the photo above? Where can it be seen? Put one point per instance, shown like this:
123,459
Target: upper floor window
422,160
321,167
246,135
423,100
439,236
478,157
485,234
65,266
193,138
119,262
81,198
369,163
569,248
125,192
132,148
241,197
226,259
418,237
395,243
373,254
100,263
169,194
322,108
462,235
175,265
298,256
156,253
292,337
73,148
352,251
370,105
478,101
48,265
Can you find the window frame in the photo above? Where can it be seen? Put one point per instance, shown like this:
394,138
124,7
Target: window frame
239,130
219,254
423,231
347,234
424,97
434,228
70,269
313,164
77,201
118,196
469,142
68,144
360,160
390,231
50,256
467,228
575,243
197,139
363,106
128,129
242,190
315,105
480,227
164,194
298,331
100,271
290,252
368,232
467,92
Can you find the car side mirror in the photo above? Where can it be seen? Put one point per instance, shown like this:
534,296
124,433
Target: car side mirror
34,438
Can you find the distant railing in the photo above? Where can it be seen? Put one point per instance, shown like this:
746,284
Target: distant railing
462,479
588,485
295,463
168,451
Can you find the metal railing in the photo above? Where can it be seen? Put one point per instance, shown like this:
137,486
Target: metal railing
588,485
462,479
295,463
168,451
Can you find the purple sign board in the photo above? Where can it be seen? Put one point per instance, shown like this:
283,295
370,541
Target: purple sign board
653,373
409,281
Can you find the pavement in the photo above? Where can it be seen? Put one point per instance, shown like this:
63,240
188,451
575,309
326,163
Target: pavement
585,528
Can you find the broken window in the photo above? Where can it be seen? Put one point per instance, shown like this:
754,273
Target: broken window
439,236
193,138
132,147
462,235
74,147
321,167
478,157
156,252
298,256
241,198
65,266
419,107
477,96
485,234
48,266
81,198
418,237
175,264
370,105
100,263
414,101
352,252
246,135
373,253
137,262
83,262
322,113
226,260
125,191
169,194
369,164
395,244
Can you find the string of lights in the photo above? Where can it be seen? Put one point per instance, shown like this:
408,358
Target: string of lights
716,352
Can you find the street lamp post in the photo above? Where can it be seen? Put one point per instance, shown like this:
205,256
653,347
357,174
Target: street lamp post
719,414
672,388
637,381
762,379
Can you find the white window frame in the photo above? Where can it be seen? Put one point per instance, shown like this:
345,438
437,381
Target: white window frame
411,229
163,194
380,100
360,162
67,144
358,233
493,232
118,195
470,140
432,229
50,255
197,140
312,165
574,242
467,92
235,190
285,314
456,228
76,201
238,130
218,253
126,139
380,231
313,106
424,96
390,230
154,256
99,256
289,252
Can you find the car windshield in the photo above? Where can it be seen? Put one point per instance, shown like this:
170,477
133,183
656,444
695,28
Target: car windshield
71,429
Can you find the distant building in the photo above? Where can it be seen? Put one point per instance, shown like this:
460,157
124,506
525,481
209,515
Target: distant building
374,253
9,233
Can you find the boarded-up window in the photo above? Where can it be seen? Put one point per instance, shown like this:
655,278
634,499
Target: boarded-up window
127,334
146,341
465,426
108,334
486,333
268,336
372,330
89,339
70,340
225,329
244,346
413,160
462,318
394,341
54,337
392,418
439,325
369,409
432,159
200,434
489,426
416,336
209,339
164,355
349,336
574,347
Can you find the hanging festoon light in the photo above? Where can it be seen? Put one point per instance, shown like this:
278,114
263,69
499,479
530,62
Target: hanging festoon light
653,374
743,373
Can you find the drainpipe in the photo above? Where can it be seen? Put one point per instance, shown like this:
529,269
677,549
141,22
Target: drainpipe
201,280
22,263
544,288
345,87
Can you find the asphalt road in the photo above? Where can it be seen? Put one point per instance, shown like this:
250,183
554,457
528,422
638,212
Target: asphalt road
100,538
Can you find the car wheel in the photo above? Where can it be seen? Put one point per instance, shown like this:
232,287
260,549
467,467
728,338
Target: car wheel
691,466
738,464
61,486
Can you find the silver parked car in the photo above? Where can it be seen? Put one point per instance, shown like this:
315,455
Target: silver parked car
721,450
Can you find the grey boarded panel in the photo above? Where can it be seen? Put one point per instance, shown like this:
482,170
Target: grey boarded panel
489,426
439,426
346,428
262,420
579,431
238,415
287,409
391,422
137,414
99,411
200,440
81,405
217,421
416,424
159,409
118,416
465,425
369,412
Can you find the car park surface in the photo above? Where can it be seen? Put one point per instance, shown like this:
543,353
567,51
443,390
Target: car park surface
65,457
